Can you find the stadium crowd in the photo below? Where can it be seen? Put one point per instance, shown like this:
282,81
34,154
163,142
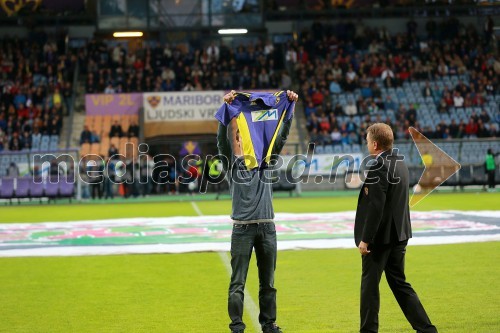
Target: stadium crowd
35,91
366,64
181,68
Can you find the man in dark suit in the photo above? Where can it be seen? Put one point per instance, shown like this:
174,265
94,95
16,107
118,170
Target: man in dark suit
382,230
133,130
116,130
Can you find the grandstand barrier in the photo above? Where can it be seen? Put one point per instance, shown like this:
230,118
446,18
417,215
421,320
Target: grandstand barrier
38,174
54,175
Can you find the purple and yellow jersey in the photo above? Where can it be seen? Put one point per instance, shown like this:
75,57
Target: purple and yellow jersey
259,117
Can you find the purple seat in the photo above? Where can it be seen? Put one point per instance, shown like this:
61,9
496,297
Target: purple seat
51,189
66,189
23,187
36,188
7,188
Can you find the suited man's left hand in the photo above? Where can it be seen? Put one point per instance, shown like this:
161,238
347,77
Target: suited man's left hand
363,248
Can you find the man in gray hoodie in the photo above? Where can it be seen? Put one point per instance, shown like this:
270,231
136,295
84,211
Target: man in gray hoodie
252,215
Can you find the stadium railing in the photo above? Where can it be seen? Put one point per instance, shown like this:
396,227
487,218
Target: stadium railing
38,174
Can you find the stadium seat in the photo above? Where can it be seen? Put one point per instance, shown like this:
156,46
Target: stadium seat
479,175
52,189
95,148
36,189
134,141
66,188
22,187
465,176
7,188
98,129
53,146
85,149
115,141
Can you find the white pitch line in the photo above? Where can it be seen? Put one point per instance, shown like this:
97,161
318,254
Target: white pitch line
196,208
250,305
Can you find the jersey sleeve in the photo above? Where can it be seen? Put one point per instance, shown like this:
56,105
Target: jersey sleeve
289,112
290,106
227,112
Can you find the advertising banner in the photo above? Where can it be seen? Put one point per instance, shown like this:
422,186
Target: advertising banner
323,164
113,104
181,113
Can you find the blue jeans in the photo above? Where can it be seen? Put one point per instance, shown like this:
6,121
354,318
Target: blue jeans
246,237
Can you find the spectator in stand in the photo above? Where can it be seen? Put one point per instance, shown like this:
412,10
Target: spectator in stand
335,87
484,117
286,81
366,91
471,128
453,129
325,137
12,170
427,91
30,89
458,100
86,136
324,122
3,138
116,130
26,140
389,103
310,109
15,143
109,89
113,151
346,140
443,107
474,116
482,131
461,130
351,109
386,72
494,132
316,137
133,130
336,136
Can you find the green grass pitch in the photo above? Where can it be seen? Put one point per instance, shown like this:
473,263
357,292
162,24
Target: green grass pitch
318,290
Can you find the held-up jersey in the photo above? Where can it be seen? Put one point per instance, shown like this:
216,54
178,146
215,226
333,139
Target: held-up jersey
259,117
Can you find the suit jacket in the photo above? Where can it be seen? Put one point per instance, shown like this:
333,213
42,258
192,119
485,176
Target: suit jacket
383,212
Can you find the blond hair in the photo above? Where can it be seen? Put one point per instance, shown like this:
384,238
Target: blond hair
382,134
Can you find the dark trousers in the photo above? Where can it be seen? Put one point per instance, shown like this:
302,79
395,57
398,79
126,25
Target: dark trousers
245,237
96,190
108,189
491,178
391,259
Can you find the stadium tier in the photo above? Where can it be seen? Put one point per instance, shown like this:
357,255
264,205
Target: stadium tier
35,92
436,74
140,193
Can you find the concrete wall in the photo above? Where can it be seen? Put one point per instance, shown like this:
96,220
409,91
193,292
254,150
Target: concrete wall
86,31
393,25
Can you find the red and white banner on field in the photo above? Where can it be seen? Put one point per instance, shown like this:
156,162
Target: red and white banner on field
213,233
